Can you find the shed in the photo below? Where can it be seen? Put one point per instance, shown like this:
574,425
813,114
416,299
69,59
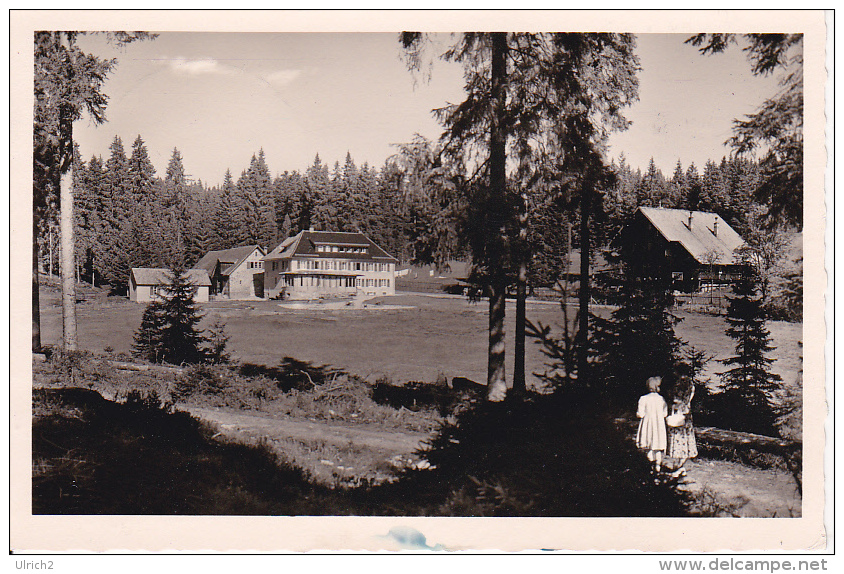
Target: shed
147,284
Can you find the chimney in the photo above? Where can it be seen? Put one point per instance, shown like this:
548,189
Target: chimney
715,229
691,215
311,229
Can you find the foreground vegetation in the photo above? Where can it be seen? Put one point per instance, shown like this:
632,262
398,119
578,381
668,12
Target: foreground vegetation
93,456
553,455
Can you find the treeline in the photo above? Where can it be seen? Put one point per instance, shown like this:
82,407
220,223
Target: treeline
128,216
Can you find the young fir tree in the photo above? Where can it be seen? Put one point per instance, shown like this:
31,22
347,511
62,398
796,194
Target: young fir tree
638,341
148,338
168,331
749,386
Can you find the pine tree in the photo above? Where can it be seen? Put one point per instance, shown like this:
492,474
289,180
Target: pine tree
228,217
261,179
84,214
653,189
93,182
691,200
748,399
148,343
318,196
181,340
141,172
678,187
201,223
115,227
176,203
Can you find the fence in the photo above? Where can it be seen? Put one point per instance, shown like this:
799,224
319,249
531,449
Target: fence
711,299
419,286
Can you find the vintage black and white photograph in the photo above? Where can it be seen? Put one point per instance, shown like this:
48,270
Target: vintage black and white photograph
400,273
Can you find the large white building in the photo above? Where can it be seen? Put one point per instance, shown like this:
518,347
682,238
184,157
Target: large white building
327,264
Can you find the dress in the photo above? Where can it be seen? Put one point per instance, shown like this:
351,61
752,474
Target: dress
681,440
652,412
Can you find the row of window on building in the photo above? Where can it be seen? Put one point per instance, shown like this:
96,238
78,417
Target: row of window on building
334,282
339,249
255,265
333,265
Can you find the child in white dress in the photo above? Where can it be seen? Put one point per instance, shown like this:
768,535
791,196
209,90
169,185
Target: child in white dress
652,411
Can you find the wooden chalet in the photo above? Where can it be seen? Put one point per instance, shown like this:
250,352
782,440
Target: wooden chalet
692,248
148,284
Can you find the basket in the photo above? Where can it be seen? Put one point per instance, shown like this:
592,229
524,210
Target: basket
675,420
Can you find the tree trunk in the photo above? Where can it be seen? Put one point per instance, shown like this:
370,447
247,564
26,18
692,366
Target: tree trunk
68,250
51,250
519,379
584,295
496,376
68,265
36,300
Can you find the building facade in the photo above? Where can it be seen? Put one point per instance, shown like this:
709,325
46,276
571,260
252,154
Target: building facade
688,248
147,284
236,273
328,264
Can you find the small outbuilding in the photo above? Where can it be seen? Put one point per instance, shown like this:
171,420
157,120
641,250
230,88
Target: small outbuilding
692,248
236,273
147,284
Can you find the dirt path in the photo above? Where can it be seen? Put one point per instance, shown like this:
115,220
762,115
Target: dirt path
734,489
372,438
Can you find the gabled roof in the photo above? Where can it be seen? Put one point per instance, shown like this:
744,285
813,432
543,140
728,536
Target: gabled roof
154,276
229,258
707,235
305,244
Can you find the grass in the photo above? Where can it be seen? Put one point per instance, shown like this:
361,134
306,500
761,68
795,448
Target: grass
438,336
88,453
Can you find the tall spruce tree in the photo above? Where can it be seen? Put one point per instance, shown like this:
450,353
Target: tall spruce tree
116,227
638,341
228,217
141,172
748,399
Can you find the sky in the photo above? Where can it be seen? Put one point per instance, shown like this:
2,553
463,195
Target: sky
220,97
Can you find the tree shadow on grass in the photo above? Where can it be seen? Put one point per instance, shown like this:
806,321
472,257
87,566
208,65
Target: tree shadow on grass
292,373
417,396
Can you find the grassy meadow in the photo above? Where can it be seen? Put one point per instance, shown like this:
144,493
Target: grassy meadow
432,337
